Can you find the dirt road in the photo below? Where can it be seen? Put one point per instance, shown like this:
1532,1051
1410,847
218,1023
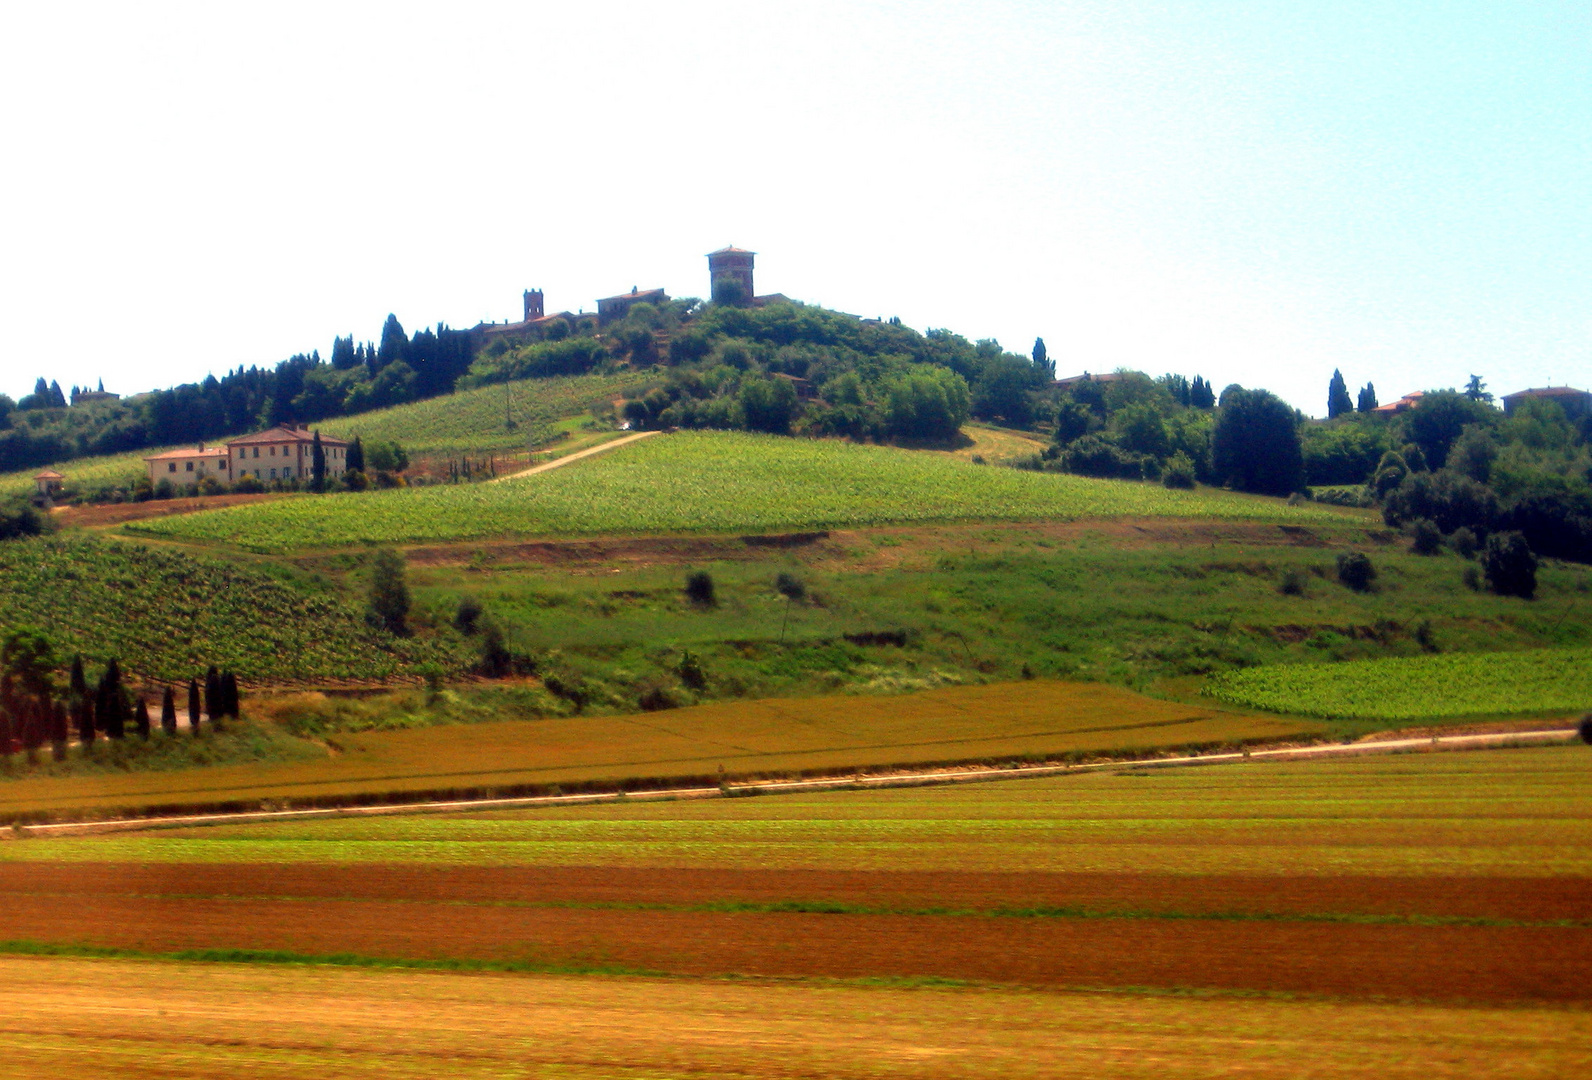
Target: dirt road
576,456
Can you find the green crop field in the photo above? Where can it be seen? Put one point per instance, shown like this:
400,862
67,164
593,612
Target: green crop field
1479,813
714,482
1417,688
995,722
475,420
168,615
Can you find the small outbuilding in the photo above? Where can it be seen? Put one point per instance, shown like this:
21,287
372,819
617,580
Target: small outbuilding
49,483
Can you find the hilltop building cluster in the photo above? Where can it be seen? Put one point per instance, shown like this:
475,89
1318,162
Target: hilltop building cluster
731,265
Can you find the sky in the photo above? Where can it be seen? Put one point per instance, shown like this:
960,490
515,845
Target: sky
1255,192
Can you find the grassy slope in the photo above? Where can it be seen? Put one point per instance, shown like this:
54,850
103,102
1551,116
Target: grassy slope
169,615
1479,813
965,723
715,482
471,420
1124,602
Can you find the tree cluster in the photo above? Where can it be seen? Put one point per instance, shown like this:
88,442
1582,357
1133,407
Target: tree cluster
43,428
35,712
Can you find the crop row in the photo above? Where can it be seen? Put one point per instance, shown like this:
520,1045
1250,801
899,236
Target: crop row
1409,688
168,615
713,482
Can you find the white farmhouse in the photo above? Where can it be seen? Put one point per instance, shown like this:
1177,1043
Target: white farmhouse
285,452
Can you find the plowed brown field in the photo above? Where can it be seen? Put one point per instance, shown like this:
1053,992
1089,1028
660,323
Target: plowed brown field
665,921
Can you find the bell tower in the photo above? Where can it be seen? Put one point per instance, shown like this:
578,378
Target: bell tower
735,263
533,304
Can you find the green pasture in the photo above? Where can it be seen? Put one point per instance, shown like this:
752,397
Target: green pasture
707,482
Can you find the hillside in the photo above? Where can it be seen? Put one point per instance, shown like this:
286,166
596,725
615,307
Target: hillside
714,482
470,421
168,616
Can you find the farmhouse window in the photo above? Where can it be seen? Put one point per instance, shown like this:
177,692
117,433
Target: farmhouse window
172,467
189,464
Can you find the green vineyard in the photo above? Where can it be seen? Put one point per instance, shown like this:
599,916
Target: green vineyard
1418,688
713,482
166,615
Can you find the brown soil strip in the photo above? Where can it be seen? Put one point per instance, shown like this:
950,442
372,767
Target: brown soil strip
121,513
1551,899
1450,962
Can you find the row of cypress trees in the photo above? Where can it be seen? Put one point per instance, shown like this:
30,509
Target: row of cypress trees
29,720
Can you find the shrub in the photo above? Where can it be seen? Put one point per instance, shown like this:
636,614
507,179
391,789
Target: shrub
209,487
468,616
1178,472
1585,728
389,593
20,519
691,672
248,485
1472,578
1356,570
1425,539
1292,582
495,659
1464,543
699,588
656,698
790,586
1509,565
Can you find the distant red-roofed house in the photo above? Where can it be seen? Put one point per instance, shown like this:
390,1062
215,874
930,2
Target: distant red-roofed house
1403,404
49,483
1576,403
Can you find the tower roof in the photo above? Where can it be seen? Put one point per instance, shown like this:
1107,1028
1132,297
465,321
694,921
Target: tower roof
731,250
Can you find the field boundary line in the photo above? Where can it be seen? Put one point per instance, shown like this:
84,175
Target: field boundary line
855,781
547,466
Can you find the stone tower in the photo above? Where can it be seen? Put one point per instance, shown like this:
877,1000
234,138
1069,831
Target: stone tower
533,304
732,262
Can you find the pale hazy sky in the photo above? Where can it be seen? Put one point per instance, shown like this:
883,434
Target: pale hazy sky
1257,192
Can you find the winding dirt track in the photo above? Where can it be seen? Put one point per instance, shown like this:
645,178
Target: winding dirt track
557,463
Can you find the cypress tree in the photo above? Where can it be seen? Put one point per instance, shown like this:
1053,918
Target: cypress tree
193,706
168,712
59,731
110,704
212,694
83,713
318,464
355,462
141,719
79,683
1367,399
1338,401
229,694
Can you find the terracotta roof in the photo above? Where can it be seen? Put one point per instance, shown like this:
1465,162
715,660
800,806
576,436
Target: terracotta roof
732,250
1548,391
190,452
640,294
49,474
281,434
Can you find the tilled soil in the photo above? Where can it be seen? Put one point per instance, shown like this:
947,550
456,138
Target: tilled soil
535,915
1543,899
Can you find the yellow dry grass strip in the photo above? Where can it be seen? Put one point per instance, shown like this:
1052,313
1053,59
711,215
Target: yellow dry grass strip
71,1017
766,737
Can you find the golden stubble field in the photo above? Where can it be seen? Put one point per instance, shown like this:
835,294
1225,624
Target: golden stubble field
741,738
